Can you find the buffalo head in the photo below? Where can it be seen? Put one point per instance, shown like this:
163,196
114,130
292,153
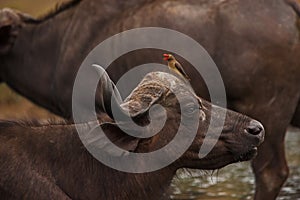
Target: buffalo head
11,22
162,104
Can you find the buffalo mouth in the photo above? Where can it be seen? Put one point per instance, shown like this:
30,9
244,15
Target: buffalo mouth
219,160
247,155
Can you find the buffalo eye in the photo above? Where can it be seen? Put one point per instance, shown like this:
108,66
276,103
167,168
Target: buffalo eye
190,108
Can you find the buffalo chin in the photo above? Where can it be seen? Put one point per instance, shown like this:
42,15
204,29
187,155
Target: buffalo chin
247,155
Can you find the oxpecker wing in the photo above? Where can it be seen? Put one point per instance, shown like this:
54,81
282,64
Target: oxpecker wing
180,69
175,66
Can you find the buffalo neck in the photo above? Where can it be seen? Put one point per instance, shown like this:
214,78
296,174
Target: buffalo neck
30,67
148,186
95,180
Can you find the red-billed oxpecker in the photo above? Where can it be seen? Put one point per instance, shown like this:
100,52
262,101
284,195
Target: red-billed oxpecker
175,66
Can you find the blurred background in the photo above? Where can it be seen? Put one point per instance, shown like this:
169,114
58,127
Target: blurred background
35,8
230,183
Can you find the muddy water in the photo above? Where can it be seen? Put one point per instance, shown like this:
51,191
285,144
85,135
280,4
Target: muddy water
236,181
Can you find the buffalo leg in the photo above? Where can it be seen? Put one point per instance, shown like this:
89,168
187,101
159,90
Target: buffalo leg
270,166
296,117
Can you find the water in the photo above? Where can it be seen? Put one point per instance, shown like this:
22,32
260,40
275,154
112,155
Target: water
236,182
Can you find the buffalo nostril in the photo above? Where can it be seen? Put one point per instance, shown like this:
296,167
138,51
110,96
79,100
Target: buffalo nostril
254,128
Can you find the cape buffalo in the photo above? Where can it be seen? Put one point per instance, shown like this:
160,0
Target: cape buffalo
255,44
42,161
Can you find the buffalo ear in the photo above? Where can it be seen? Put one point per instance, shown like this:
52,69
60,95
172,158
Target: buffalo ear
10,24
119,137
97,139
